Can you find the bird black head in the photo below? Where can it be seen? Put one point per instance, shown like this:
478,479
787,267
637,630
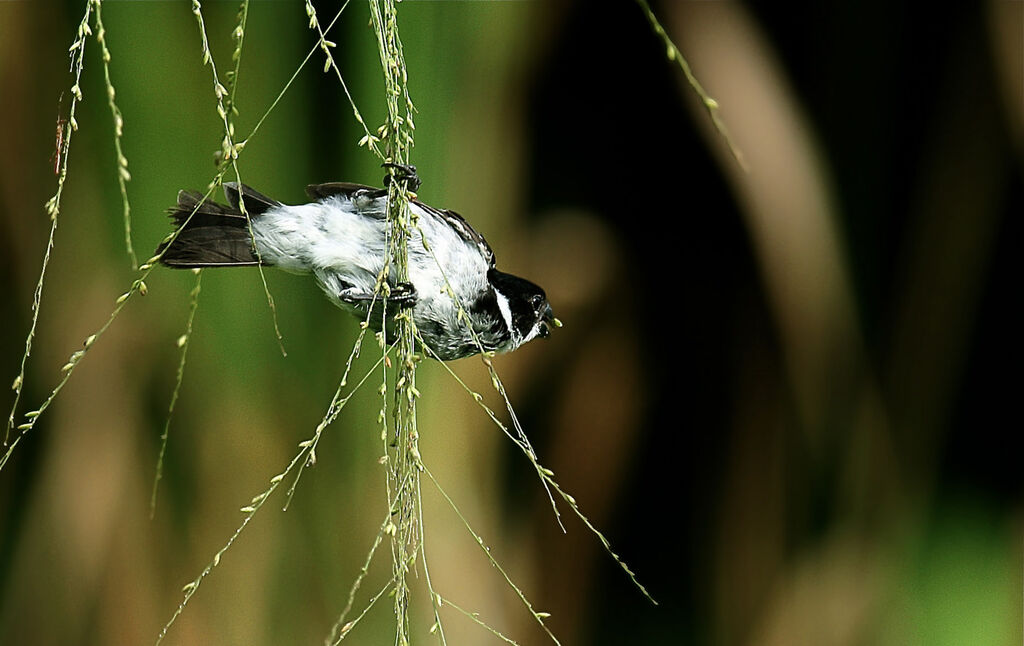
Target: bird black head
524,306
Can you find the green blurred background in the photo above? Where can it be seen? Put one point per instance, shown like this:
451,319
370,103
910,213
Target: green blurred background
786,396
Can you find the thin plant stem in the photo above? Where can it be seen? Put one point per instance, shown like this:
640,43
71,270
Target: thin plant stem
138,286
673,54
231,78
183,343
435,598
397,134
369,140
123,176
475,616
53,208
547,475
229,151
64,131
538,616
378,539
299,461
347,628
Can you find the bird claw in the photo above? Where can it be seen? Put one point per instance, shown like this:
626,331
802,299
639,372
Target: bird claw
402,173
403,295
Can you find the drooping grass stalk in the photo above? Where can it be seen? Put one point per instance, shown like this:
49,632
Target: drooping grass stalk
397,135
229,148
673,54
183,342
546,475
288,84
334,409
475,617
65,129
370,141
123,176
138,286
304,458
539,617
435,597
347,628
229,152
340,627
53,209
231,77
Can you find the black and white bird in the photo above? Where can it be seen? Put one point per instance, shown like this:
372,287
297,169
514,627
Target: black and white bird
340,237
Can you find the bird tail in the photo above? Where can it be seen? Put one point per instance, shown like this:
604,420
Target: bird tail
209,234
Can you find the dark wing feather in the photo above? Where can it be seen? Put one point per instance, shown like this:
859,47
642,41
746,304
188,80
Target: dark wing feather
209,235
210,246
346,189
255,202
197,212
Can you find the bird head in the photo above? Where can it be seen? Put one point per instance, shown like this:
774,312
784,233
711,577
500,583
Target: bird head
524,307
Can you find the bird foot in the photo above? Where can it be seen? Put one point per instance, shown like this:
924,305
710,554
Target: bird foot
403,295
402,173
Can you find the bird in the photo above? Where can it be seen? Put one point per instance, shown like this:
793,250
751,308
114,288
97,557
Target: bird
340,237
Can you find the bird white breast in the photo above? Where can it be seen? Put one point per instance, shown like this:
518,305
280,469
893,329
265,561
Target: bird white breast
322,235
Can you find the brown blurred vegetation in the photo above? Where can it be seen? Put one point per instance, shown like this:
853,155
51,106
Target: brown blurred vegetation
784,395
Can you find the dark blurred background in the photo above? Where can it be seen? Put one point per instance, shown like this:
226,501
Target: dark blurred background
786,396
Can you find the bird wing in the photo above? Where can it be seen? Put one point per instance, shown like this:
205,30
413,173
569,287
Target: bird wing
345,189
458,224
453,220
256,203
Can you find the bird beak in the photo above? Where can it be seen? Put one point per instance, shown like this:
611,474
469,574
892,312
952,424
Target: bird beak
548,316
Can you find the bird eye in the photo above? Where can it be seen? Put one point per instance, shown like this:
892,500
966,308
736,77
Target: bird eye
536,300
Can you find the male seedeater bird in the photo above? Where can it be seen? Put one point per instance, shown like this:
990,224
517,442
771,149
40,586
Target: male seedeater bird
341,238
